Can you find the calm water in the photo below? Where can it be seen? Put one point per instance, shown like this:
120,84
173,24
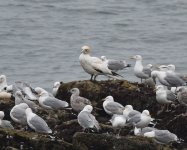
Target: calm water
41,40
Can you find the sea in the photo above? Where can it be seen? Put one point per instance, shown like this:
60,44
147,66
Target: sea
41,40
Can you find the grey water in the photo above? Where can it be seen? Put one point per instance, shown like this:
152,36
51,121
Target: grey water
41,40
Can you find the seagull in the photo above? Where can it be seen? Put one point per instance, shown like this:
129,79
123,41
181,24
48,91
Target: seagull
129,112
118,122
48,102
5,123
55,87
77,102
162,136
182,97
3,82
141,132
39,90
164,96
167,78
19,98
115,65
111,107
18,115
29,92
87,120
139,70
141,120
36,123
94,65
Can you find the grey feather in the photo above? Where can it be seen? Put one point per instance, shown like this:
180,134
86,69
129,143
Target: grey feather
39,125
164,136
55,103
147,71
134,120
174,80
6,124
115,108
87,120
171,96
78,103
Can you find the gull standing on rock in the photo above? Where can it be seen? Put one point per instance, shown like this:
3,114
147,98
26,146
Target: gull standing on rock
5,123
19,98
115,65
140,71
164,96
55,88
18,115
48,102
30,92
94,65
167,78
182,97
129,112
118,122
3,82
141,132
162,136
77,102
111,107
86,119
141,120
36,123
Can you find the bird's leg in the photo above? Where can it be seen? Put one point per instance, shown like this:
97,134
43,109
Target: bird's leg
91,77
141,80
95,77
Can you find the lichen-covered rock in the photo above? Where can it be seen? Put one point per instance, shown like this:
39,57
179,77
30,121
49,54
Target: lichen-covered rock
90,141
30,140
66,129
124,92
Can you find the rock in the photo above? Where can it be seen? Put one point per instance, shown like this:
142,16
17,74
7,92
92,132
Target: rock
4,95
90,141
124,92
15,139
67,131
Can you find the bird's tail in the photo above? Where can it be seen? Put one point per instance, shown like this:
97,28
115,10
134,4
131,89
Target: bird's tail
116,74
115,77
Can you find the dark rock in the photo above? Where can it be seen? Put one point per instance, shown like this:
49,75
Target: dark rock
30,140
90,141
66,129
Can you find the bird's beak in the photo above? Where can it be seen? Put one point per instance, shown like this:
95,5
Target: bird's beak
103,100
132,57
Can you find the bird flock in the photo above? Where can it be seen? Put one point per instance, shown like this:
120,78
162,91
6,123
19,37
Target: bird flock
169,85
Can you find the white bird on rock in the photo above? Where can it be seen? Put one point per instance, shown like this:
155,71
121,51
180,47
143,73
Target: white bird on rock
78,102
18,114
5,123
94,65
111,107
48,102
162,136
87,120
115,65
36,123
139,70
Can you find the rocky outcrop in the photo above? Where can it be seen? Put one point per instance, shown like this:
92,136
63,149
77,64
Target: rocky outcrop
67,133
